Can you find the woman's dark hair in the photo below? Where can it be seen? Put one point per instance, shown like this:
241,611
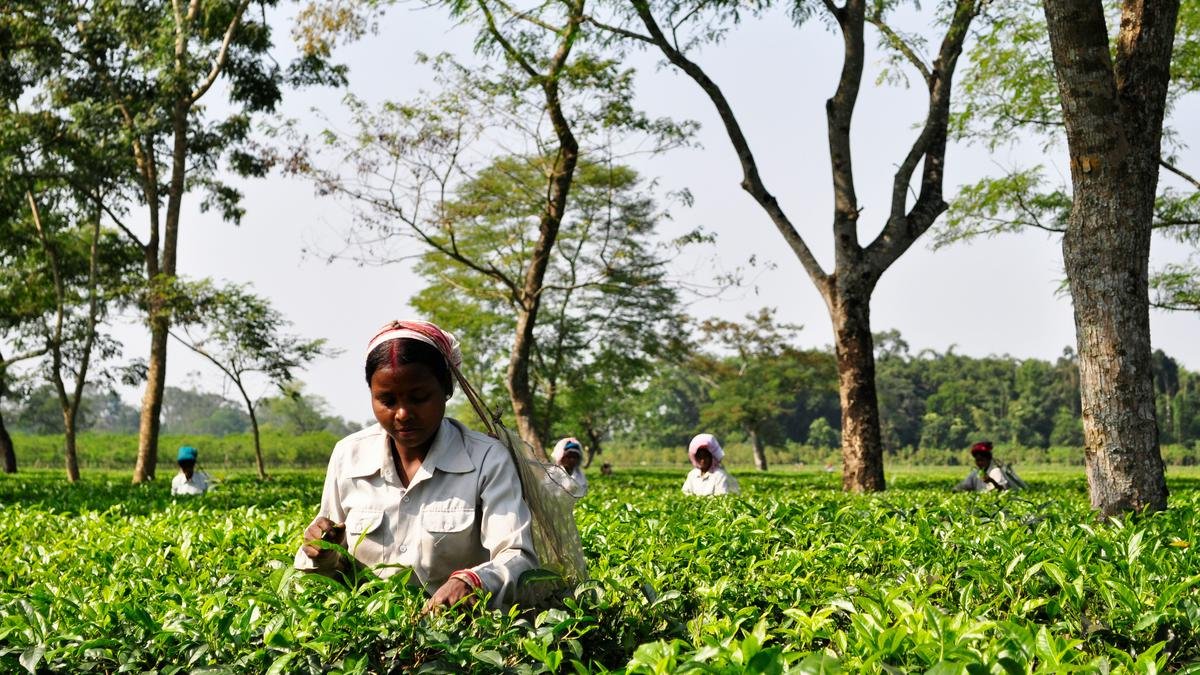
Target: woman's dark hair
402,351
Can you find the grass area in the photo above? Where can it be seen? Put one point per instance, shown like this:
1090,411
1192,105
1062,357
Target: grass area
791,576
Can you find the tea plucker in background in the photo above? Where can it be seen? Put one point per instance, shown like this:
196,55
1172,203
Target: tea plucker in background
708,477
989,473
568,455
420,489
189,481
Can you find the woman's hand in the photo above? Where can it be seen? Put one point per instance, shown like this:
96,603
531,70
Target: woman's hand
450,593
327,530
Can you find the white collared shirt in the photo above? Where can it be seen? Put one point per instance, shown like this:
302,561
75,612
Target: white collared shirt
198,485
574,483
461,510
974,482
715,482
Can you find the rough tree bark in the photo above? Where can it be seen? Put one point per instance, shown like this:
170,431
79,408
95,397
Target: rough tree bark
857,268
1113,115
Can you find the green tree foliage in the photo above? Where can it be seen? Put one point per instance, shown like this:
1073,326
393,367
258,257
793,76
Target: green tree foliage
245,338
822,435
403,165
1010,97
190,411
609,308
736,380
930,401
66,272
753,375
295,412
135,79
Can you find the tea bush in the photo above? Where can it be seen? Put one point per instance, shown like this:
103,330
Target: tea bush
792,576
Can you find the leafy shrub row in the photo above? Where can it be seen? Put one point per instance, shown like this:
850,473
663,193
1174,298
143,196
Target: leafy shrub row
740,455
792,576
119,451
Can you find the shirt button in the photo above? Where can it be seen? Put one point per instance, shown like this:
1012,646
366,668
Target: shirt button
403,549
406,499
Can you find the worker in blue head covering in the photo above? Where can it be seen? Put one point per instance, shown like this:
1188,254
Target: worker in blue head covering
188,481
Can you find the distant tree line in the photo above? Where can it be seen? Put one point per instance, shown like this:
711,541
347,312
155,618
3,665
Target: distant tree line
928,399
186,411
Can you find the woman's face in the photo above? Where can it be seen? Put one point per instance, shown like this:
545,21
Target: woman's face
569,461
704,459
409,403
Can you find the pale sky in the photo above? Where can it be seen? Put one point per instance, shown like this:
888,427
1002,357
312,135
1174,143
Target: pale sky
995,296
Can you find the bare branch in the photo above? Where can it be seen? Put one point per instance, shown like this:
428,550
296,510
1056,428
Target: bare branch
929,149
751,181
898,43
222,53
507,46
528,16
1179,172
24,356
623,32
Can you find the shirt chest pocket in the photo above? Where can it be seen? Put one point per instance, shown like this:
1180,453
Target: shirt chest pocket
363,524
443,522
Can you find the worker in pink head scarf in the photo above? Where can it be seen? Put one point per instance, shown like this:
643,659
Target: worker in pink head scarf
568,456
708,478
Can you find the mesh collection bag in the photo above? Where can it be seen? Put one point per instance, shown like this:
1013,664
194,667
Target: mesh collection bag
551,497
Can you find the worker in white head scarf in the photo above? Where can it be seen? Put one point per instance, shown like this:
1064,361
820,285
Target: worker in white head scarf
568,455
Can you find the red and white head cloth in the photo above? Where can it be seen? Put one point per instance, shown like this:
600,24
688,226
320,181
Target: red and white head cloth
565,445
705,441
426,332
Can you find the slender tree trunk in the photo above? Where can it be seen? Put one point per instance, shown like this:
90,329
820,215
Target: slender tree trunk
862,445
258,455
760,452
559,186
156,377
520,392
6,449
594,448
160,320
70,416
1113,117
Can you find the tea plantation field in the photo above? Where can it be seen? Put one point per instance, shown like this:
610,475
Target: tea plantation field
793,576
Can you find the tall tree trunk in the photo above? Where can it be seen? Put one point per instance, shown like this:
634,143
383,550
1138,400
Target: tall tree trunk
1113,117
69,434
594,448
156,377
862,443
760,452
258,455
520,392
6,449
159,272
559,186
